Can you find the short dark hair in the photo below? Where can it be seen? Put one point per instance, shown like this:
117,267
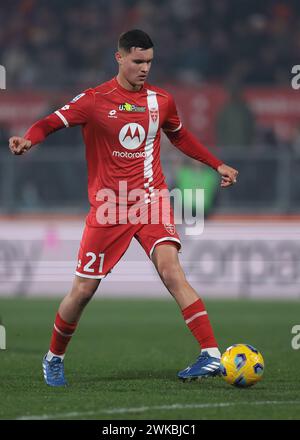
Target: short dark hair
134,38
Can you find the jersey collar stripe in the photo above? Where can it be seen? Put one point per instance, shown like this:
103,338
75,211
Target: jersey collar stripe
62,118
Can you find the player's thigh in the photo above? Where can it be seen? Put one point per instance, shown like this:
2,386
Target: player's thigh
101,248
165,253
152,236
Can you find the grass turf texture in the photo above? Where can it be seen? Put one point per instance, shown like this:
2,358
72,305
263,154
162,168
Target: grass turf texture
123,360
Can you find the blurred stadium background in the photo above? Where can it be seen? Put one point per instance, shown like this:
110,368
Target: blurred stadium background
228,64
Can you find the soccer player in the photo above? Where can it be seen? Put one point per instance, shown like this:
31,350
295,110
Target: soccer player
121,122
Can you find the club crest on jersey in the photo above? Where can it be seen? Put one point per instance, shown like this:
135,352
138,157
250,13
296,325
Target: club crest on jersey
126,107
153,114
169,228
132,136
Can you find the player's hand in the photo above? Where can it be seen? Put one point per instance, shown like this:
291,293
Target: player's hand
229,175
19,145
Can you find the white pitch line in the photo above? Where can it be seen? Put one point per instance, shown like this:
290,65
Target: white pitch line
159,408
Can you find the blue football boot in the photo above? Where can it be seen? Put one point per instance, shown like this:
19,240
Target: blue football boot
53,372
205,366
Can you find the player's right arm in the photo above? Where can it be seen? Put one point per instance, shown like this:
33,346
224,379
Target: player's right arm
36,134
77,112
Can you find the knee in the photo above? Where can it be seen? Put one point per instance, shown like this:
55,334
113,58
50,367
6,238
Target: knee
172,275
84,290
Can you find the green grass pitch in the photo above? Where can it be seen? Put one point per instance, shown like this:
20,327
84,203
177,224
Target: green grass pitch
123,360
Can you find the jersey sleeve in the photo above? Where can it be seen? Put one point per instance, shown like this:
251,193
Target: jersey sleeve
78,111
189,145
172,122
41,129
184,140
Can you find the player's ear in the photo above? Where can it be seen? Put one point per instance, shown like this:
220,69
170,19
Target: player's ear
119,58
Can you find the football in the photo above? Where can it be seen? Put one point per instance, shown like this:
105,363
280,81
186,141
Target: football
242,365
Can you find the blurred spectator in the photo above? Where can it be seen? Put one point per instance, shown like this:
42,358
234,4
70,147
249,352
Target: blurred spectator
235,122
191,176
296,141
266,139
4,135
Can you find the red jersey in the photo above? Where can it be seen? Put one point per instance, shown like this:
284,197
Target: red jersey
121,131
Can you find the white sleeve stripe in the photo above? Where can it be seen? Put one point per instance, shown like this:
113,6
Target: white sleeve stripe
176,129
62,118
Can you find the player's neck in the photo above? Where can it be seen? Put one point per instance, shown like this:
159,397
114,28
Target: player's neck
127,85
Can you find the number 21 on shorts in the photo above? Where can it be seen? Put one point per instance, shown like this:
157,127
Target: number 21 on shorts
93,257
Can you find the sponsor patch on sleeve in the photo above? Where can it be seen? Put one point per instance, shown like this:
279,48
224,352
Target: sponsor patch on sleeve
77,97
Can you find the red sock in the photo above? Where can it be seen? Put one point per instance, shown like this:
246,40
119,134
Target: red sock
197,321
61,336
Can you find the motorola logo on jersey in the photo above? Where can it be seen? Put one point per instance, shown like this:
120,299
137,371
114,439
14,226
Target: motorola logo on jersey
129,155
132,136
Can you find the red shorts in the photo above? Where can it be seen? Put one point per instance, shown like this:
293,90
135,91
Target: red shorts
102,247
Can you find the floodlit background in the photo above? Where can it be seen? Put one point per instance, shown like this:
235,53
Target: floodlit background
228,64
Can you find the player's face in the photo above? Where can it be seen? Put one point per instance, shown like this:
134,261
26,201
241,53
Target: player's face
135,65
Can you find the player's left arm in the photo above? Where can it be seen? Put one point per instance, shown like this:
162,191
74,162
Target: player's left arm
185,141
